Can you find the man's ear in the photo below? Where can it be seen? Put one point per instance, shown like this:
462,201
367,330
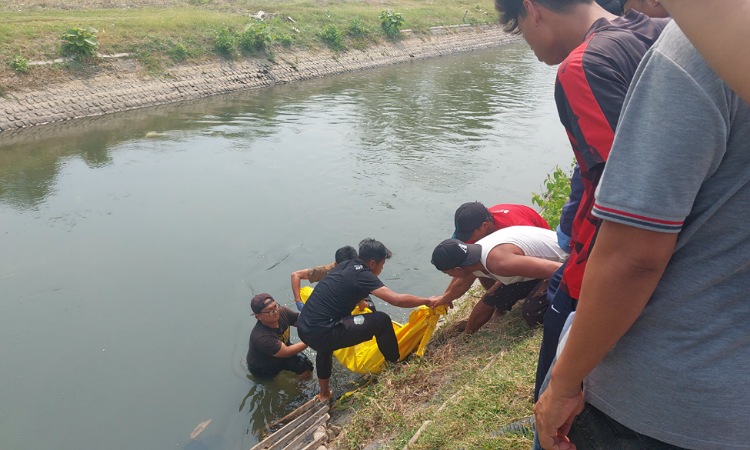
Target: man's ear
532,11
372,264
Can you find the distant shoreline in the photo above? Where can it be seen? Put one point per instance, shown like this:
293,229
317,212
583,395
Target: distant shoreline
120,85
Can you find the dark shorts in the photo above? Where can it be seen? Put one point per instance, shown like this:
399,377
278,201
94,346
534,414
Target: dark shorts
298,364
594,430
534,294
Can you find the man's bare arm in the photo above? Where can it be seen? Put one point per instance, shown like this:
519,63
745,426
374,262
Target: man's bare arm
297,277
457,288
505,262
623,270
403,300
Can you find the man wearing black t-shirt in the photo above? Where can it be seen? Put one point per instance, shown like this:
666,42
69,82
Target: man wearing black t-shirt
270,350
326,323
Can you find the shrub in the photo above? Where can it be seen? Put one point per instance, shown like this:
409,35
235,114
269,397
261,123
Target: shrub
286,40
79,41
333,37
178,52
256,37
551,201
357,29
20,64
226,42
391,23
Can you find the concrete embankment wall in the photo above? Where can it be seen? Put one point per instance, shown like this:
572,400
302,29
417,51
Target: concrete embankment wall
115,91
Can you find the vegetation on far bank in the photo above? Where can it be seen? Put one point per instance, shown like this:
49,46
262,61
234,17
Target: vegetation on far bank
160,33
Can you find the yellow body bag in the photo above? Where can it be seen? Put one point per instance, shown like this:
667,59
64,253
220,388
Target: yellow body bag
414,335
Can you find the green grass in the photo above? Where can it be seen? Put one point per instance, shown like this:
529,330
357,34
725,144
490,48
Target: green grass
467,386
153,33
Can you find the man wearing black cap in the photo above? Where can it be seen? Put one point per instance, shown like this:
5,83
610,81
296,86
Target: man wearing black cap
270,349
474,221
518,259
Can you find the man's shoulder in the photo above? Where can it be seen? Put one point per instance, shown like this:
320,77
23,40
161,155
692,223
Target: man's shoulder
259,331
317,273
607,43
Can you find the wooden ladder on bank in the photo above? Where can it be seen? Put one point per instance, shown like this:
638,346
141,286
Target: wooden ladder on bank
302,429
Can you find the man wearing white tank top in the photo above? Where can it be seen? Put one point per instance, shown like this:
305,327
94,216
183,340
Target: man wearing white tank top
519,259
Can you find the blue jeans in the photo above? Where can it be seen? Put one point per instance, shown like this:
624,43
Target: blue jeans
560,307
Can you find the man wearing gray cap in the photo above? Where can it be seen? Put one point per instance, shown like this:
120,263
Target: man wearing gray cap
519,260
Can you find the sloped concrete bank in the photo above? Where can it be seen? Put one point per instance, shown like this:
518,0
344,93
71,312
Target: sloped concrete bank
128,88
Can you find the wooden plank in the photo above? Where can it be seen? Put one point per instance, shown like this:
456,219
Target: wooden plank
315,444
294,414
306,434
292,433
312,410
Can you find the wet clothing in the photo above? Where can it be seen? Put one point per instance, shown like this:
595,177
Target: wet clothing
508,215
266,342
589,92
681,164
349,331
326,324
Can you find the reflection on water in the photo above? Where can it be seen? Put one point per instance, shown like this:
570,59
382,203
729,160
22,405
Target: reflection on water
132,243
270,400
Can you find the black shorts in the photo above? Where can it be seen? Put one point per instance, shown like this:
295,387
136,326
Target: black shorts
298,364
534,292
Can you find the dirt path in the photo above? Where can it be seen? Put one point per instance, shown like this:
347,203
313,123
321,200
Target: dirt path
121,85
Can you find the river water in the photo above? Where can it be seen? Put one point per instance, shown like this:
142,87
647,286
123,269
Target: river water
131,244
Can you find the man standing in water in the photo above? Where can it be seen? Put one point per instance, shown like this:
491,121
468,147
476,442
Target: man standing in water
270,350
326,323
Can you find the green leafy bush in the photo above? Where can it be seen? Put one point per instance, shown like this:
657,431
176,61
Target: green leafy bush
226,42
357,29
551,201
178,52
332,37
285,39
20,64
391,23
79,41
255,38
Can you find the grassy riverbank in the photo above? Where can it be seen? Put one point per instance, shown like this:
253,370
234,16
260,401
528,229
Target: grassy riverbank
461,394
162,33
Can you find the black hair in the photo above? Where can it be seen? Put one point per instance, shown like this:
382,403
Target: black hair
511,10
345,254
372,250
612,6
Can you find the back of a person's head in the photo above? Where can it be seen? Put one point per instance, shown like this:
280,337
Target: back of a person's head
612,6
345,254
511,10
372,250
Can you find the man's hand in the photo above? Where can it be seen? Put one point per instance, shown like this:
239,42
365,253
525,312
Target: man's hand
443,300
433,301
555,411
